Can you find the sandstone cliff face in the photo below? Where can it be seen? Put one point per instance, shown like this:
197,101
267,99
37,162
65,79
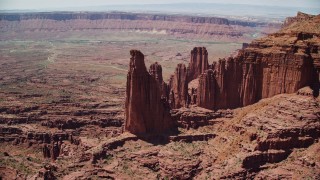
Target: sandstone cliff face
178,84
206,93
146,111
275,73
156,72
280,63
178,87
256,74
198,62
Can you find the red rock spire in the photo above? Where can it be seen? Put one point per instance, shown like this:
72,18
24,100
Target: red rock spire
198,62
145,109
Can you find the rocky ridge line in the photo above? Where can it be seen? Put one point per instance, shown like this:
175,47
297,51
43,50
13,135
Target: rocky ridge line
64,16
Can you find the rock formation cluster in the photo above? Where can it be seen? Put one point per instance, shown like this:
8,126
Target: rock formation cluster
283,62
265,68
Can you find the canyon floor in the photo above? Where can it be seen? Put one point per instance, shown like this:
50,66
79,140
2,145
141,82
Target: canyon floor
248,143
57,81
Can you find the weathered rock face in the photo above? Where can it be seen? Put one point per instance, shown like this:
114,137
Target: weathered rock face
156,72
146,111
255,74
300,17
257,159
51,151
206,92
195,117
272,71
288,121
233,79
50,143
179,87
280,63
178,84
198,63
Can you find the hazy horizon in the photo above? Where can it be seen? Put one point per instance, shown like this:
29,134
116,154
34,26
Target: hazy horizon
276,10
56,4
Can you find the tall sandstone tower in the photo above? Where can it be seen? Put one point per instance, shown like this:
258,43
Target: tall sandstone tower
198,63
145,108
178,84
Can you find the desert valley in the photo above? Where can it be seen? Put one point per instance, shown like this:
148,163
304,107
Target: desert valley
137,95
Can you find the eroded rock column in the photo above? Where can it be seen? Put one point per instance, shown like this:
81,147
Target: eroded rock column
146,111
206,90
198,62
179,87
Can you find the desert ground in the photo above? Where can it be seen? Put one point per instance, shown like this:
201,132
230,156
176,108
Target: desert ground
63,94
35,63
79,77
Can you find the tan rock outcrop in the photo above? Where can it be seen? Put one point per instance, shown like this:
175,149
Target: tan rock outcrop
146,111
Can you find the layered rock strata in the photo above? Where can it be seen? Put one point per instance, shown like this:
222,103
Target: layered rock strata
287,122
65,16
195,117
280,63
181,26
146,111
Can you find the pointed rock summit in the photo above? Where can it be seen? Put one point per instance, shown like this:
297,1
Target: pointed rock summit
206,90
198,62
179,87
156,72
146,111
